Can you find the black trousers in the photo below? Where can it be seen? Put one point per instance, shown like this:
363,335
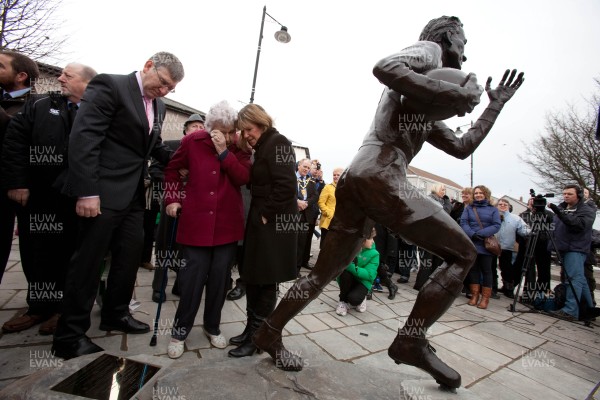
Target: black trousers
7,226
149,231
121,232
204,266
260,300
508,271
308,245
304,239
48,233
352,291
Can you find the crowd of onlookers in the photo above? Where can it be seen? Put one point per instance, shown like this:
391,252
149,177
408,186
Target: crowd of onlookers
89,178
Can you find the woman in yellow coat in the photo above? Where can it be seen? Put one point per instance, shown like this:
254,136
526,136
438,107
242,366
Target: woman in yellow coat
327,203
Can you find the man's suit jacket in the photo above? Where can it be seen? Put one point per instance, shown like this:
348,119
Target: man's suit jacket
110,144
311,197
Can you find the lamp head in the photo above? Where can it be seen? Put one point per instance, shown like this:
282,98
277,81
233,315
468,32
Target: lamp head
282,36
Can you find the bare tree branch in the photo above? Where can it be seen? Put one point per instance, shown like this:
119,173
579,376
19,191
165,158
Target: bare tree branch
568,151
29,27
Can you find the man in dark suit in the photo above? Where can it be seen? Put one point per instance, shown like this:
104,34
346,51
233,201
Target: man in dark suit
34,166
115,132
307,199
17,74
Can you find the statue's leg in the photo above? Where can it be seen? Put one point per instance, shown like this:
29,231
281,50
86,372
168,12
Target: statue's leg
347,232
439,234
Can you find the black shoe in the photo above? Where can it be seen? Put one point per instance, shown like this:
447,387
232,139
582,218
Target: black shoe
81,347
175,289
495,295
126,324
246,349
156,297
402,279
236,293
393,289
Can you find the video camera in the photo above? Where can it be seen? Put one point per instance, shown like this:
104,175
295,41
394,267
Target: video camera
539,201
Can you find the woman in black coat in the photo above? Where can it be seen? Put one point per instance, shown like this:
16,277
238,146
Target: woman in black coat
273,220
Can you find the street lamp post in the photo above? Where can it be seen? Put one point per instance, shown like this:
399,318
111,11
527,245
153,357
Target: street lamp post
460,132
282,36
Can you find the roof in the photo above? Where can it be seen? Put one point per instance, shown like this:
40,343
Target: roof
512,200
182,108
428,175
49,69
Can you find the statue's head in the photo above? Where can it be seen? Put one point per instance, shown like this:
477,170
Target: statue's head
449,34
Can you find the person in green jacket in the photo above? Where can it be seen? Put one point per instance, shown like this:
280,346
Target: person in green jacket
357,279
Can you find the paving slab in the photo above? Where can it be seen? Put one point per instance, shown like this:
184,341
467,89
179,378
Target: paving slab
587,359
502,346
489,389
373,336
526,386
382,311
330,320
338,345
311,323
472,350
544,367
507,333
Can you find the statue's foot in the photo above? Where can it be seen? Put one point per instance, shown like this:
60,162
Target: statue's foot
268,339
417,351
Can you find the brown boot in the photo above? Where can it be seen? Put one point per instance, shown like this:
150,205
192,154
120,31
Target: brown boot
474,294
487,292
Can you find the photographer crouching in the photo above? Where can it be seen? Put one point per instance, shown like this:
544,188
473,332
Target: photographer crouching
573,236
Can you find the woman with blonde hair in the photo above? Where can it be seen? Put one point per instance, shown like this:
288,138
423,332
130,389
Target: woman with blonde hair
327,203
270,239
479,221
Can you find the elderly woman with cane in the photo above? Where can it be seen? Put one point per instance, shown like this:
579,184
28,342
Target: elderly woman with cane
211,221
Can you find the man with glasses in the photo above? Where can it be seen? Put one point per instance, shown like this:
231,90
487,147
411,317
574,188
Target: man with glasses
116,130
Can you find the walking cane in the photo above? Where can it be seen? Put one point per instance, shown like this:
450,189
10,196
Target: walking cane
163,285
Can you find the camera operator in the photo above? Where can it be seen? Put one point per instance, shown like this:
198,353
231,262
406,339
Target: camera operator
542,219
573,237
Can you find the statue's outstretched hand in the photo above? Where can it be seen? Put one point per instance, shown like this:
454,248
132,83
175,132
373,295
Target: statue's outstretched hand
505,89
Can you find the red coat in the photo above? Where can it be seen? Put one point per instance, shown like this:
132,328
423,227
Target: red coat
212,210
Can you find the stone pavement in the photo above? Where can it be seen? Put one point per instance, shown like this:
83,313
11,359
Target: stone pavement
500,355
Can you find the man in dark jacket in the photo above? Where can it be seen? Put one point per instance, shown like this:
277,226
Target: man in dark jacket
34,165
573,237
307,199
116,130
17,74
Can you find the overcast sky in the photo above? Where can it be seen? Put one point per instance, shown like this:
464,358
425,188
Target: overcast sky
320,88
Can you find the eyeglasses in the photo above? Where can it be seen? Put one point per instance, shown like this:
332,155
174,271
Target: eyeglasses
502,205
163,82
